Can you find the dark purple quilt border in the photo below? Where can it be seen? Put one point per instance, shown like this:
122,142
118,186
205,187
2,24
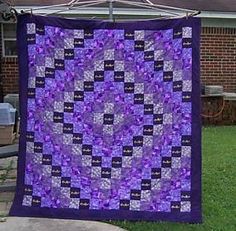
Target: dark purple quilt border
195,216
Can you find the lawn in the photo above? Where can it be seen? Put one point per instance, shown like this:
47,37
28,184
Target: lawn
219,186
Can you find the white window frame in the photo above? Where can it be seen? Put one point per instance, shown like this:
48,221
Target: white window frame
6,39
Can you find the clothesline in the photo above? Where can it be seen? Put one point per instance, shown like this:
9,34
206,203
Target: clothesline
162,11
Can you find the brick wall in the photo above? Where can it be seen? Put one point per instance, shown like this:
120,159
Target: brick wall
218,61
10,75
1,76
218,57
8,72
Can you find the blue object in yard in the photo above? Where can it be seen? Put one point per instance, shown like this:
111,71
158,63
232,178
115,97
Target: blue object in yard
12,99
7,114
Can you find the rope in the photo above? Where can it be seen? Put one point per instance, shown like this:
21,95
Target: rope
217,114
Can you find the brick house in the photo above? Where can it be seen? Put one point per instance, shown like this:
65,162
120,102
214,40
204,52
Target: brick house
218,39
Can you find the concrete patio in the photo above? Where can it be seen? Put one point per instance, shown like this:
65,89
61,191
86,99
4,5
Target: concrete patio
42,224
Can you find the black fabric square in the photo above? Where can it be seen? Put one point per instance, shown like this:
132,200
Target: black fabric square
129,34
28,190
58,117
139,45
69,53
38,147
88,34
157,119
65,182
135,194
187,42
168,76
68,107
47,159
49,72
109,65
30,136
74,192
96,161
185,195
148,109
87,149
31,93
138,141
88,86
149,56
176,151
158,65
40,82
99,76
177,33
36,201
59,64
78,96
77,138
166,162
78,43
146,184
148,130
186,96
106,173
116,162
56,170
40,30
129,87
175,206
31,38
124,204
84,204
156,173
139,98
119,76
177,86
127,150
108,119
68,128
186,140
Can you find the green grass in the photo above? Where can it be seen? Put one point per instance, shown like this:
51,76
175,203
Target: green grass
218,183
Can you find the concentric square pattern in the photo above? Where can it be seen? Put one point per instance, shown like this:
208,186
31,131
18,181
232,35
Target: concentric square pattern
109,119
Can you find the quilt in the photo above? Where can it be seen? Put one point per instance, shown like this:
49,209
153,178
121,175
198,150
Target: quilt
110,119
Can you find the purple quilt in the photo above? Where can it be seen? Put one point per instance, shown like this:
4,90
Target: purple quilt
110,119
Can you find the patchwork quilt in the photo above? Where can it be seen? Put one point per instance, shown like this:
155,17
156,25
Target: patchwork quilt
110,119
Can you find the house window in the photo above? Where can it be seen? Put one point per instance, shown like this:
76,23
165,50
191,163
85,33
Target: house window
9,39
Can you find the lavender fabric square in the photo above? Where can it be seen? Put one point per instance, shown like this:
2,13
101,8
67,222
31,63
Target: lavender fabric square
110,119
